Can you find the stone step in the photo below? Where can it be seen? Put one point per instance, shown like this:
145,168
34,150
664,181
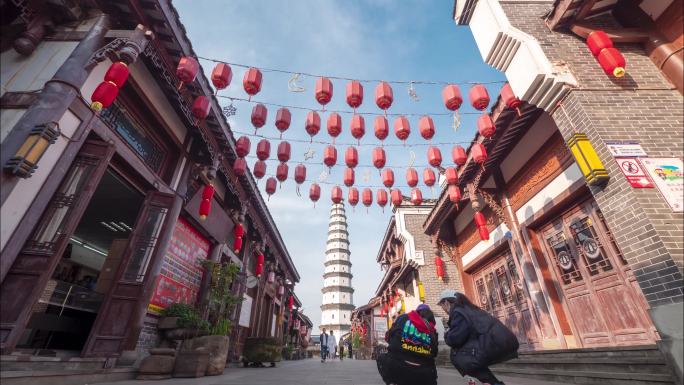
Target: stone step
588,377
29,362
623,364
65,377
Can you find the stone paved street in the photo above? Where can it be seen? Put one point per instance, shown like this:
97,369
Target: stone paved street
312,372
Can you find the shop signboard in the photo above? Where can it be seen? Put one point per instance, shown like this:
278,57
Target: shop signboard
380,327
635,174
625,148
667,175
245,311
181,273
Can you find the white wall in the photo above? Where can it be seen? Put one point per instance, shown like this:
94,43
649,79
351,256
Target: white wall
477,251
556,187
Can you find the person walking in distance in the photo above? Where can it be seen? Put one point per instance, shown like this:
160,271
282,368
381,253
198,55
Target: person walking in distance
477,339
350,347
341,350
324,345
332,345
413,346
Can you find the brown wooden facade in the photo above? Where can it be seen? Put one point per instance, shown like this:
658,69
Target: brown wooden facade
148,145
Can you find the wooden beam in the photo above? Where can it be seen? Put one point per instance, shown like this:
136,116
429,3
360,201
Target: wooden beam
584,11
623,35
560,11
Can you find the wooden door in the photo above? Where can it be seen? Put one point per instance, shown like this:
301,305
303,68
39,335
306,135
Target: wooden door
41,253
126,302
500,292
602,305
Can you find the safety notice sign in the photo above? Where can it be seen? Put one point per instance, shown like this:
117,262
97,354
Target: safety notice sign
635,174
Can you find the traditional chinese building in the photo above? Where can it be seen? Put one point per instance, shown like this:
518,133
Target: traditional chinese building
549,234
107,214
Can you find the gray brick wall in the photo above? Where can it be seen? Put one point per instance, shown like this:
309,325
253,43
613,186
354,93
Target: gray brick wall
642,106
149,335
428,273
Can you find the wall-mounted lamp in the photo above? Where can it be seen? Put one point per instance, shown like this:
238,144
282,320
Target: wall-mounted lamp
587,159
25,161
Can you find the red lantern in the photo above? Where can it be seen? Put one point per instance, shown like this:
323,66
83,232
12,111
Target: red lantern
429,177
439,265
459,155
381,197
334,124
242,146
237,245
597,41
330,156
508,97
239,230
479,97
351,157
283,119
281,172
104,96
259,169
205,205
485,126
263,150
391,301
480,219
336,194
381,127
416,197
484,233
117,73
427,127
434,156
396,196
388,177
201,106
291,302
379,157
367,197
300,174
324,90
479,153
271,185
221,76
411,177
454,193
187,70
612,62
358,127
284,151
313,123
402,128
451,176
315,192
349,177
353,196
354,94
259,265
383,96
240,166
259,113
451,95
252,82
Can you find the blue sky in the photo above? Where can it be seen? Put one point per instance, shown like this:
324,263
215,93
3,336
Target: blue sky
371,39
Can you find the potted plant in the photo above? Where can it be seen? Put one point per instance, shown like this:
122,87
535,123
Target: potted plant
181,321
217,310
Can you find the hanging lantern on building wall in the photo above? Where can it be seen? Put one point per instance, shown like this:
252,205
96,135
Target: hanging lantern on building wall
381,127
411,177
117,73
388,177
324,91
336,194
205,204
351,157
459,155
439,266
379,157
237,245
104,95
259,265
349,177
479,97
416,197
451,95
597,41
481,223
238,233
271,277
221,76
252,82
354,94
283,119
587,159
187,69
509,98
313,123
353,196
426,127
609,57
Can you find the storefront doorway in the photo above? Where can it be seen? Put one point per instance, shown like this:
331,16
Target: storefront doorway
594,281
65,313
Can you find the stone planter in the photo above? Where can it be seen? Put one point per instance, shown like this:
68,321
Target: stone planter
217,346
191,363
158,365
166,323
262,349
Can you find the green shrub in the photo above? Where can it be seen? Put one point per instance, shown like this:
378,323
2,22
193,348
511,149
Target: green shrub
188,316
